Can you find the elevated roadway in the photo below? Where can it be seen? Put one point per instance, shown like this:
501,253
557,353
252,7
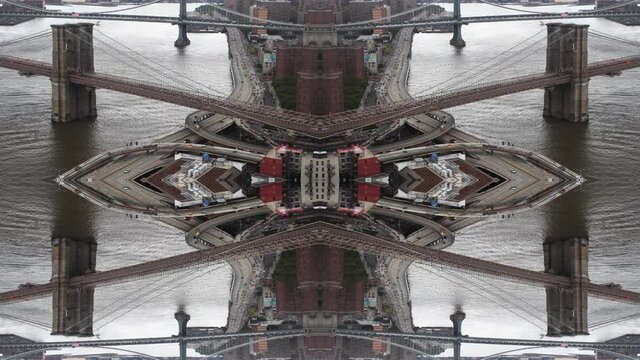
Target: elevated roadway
321,233
280,26
272,334
329,125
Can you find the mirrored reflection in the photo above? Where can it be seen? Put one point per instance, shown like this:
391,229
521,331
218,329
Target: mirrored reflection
319,213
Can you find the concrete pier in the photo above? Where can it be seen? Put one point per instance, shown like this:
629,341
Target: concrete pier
567,52
182,40
182,318
72,52
457,318
567,307
457,40
72,308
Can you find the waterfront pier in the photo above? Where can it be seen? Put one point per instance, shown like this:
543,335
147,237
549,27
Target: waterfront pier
567,306
72,307
567,53
72,52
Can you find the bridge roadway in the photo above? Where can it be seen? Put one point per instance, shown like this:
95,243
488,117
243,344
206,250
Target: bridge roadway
340,332
328,125
322,234
281,26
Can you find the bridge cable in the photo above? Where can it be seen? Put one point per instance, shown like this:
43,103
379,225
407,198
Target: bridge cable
118,56
42,10
613,38
141,63
519,10
39,10
38,35
420,8
180,76
34,323
522,55
519,56
463,284
481,67
479,278
137,292
459,79
126,9
145,65
562,12
180,79
254,19
198,275
614,321
515,298
614,6
163,282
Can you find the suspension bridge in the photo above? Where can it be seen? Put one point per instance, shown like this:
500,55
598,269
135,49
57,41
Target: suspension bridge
272,334
557,76
293,27
407,19
320,233
567,74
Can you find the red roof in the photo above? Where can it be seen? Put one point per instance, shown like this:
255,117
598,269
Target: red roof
429,179
482,179
157,179
368,167
270,193
271,166
366,192
210,179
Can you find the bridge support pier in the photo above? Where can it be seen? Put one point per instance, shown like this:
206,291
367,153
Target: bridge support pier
72,52
457,40
567,307
183,319
182,40
567,52
457,318
72,307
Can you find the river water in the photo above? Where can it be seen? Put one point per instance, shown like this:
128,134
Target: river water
34,151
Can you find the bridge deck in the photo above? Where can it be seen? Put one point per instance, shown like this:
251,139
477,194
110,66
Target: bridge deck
326,234
321,126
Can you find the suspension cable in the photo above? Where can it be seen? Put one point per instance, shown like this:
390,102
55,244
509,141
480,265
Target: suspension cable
464,285
126,9
420,8
159,283
604,324
478,67
514,9
34,323
180,76
518,57
161,293
142,66
25,38
40,10
613,38
615,6
522,53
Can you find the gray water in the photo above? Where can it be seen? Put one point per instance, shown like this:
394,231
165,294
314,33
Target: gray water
34,151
